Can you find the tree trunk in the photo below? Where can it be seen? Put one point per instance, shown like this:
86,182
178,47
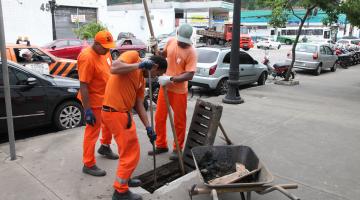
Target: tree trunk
308,11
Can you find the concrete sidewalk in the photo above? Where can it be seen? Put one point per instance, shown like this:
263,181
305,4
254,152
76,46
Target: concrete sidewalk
307,134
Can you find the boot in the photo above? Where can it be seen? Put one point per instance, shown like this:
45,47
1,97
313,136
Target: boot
125,196
94,171
106,151
174,156
158,151
133,182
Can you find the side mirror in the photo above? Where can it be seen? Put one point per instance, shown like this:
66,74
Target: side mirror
31,81
255,62
53,47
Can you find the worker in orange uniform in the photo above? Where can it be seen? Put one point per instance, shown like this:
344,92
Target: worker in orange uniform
125,91
94,70
182,59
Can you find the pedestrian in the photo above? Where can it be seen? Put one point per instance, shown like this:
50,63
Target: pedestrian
94,70
182,59
125,91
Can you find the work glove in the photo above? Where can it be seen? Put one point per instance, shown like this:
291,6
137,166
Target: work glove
151,134
146,64
90,117
164,80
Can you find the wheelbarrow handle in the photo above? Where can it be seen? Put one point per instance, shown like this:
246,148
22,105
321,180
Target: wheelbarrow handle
282,189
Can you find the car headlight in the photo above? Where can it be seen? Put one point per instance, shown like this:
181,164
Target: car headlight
72,90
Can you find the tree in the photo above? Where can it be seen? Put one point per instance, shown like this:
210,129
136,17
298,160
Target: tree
351,8
281,7
89,30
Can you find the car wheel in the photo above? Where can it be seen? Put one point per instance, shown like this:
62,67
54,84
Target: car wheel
222,87
262,79
318,70
142,54
68,115
288,42
115,55
334,67
258,47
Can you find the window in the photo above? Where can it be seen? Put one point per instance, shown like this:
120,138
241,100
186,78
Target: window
291,32
326,34
61,43
322,50
306,48
272,32
207,56
283,32
137,42
12,78
21,77
127,42
74,43
329,51
245,58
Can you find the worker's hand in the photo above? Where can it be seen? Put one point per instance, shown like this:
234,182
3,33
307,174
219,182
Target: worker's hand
90,117
164,80
151,134
146,64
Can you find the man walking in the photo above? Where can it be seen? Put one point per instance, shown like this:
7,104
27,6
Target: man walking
125,91
182,59
94,70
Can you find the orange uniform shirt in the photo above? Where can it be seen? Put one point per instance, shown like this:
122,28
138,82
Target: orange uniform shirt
179,61
94,69
122,90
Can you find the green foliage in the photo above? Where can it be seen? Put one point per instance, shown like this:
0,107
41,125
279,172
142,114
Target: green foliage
352,10
89,30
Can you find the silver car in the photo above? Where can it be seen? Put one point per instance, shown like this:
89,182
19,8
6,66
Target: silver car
213,66
314,56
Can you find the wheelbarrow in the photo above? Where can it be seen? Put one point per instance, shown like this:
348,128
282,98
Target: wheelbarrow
259,182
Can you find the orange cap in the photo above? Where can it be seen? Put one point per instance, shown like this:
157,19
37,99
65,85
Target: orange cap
105,39
130,57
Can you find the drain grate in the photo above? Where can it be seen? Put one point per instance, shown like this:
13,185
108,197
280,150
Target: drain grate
202,131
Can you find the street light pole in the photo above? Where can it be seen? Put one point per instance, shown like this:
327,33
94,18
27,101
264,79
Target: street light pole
233,93
5,74
52,9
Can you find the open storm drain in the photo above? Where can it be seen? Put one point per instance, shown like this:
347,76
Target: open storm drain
165,174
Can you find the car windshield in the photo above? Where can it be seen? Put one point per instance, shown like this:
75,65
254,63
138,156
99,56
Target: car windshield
306,48
207,56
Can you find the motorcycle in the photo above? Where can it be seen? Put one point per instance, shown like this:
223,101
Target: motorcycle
280,69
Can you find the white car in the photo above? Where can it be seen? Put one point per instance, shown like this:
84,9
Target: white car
348,43
268,43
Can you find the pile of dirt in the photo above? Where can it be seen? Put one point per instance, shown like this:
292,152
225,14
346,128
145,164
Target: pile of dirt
212,168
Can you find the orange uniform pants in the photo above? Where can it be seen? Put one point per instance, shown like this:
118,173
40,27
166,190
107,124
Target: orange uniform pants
91,136
178,103
128,147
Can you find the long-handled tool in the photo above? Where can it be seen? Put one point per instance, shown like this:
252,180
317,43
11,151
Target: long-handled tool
178,149
150,87
152,124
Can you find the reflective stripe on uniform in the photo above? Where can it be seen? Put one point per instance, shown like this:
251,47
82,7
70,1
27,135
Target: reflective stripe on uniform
121,181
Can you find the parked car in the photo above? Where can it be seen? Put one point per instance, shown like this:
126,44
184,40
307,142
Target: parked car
212,70
125,35
348,43
39,99
268,43
161,37
66,48
127,45
37,59
315,57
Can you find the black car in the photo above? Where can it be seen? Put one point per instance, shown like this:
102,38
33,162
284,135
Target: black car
40,99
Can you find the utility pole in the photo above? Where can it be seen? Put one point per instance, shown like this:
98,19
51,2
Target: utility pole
233,93
5,73
52,9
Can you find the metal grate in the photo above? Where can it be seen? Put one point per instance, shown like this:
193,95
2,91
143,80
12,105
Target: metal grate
202,131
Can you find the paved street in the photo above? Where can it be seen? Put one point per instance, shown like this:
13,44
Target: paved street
306,134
